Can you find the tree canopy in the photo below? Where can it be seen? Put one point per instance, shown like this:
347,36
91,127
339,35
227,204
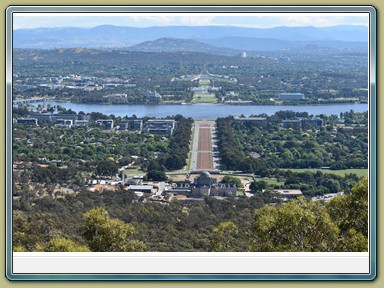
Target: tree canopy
350,213
298,226
307,226
104,234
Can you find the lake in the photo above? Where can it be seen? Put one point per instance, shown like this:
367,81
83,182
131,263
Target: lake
205,111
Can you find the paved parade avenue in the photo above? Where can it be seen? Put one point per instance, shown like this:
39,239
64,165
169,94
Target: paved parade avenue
203,146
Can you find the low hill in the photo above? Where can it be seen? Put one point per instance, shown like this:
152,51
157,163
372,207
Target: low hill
181,45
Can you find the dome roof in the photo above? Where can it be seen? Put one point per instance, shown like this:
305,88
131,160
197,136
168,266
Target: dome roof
205,174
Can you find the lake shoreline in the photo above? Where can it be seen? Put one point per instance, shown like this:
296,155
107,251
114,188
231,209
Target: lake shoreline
218,104
205,111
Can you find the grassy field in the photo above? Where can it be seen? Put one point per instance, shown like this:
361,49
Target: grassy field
358,172
189,160
134,172
239,193
204,83
271,182
203,98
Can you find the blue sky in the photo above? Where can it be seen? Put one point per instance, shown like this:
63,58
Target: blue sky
37,20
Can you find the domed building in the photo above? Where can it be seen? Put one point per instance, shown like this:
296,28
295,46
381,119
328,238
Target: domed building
205,179
206,185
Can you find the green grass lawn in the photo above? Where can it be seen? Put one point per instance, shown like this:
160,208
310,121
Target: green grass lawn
203,98
189,160
204,83
358,172
240,193
132,172
271,182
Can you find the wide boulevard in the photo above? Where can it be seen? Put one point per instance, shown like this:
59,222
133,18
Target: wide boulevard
203,146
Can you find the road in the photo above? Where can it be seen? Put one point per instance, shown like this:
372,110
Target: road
203,146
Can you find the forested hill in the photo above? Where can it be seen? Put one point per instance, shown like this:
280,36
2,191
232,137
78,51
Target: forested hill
177,45
233,225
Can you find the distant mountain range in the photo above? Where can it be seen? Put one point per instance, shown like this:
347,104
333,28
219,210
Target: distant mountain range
226,40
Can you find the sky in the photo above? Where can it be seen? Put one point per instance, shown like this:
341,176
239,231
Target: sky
258,20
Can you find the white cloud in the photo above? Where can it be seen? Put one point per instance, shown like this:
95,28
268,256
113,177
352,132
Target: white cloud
186,19
319,21
34,20
155,20
197,20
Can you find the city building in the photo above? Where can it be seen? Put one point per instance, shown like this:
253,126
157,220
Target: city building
131,124
287,194
63,123
313,122
162,127
181,188
206,185
141,188
83,116
259,120
29,121
50,117
153,97
123,125
290,96
117,95
299,123
81,123
203,186
106,124
44,117
232,94
56,117
295,124
133,181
